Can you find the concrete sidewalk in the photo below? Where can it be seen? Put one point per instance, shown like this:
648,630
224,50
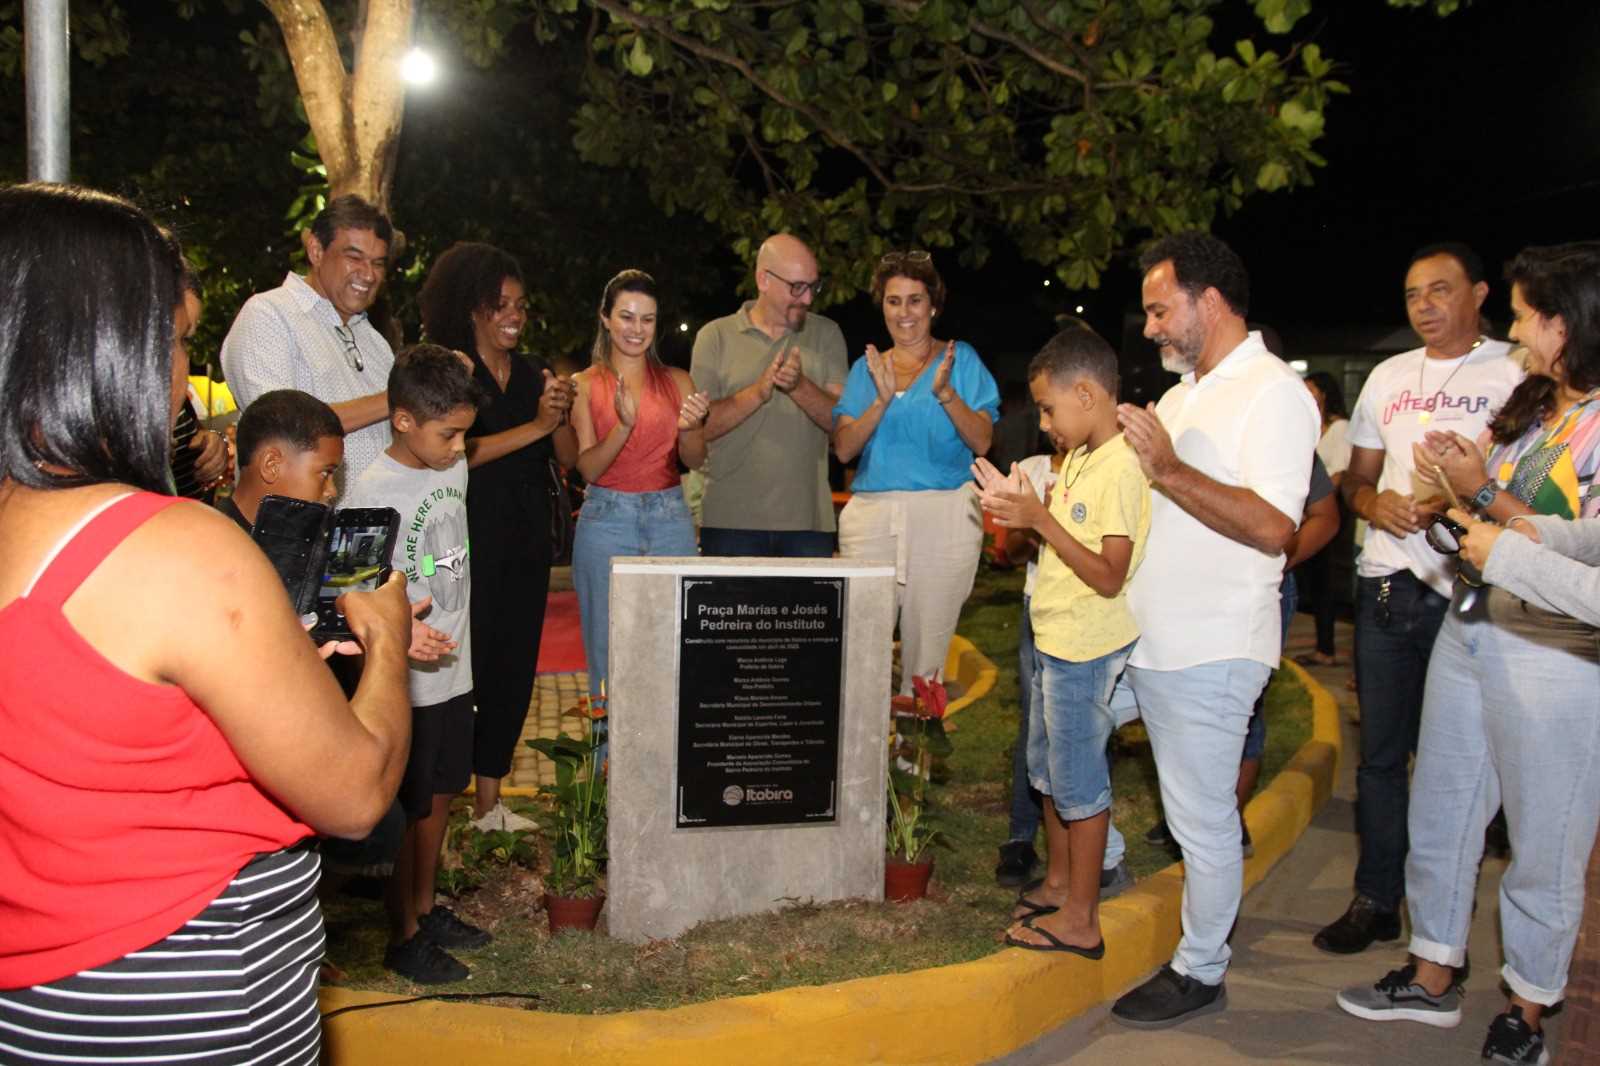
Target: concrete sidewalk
1280,988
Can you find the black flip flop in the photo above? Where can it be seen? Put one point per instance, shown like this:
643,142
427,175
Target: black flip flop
1035,910
1095,953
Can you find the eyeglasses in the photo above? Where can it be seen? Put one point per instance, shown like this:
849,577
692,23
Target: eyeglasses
1444,536
352,354
797,289
911,255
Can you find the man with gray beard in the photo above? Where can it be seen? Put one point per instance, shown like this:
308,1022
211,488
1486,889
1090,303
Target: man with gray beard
1228,452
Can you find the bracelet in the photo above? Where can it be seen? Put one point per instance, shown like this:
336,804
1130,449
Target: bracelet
946,403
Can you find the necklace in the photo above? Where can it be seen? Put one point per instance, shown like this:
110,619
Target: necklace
500,376
922,362
1073,480
1426,414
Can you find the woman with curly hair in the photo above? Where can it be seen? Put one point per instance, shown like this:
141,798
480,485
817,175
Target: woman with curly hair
475,301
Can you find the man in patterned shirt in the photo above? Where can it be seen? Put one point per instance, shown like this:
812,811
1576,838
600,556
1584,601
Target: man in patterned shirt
312,332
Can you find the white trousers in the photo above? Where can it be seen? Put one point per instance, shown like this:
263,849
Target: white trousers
933,538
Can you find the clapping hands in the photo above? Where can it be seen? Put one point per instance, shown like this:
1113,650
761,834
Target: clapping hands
693,411
941,375
625,403
1457,456
1011,498
782,374
881,368
556,399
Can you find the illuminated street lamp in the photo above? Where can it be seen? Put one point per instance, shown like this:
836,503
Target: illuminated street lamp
418,67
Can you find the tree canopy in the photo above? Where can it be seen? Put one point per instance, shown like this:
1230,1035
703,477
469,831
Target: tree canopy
1073,128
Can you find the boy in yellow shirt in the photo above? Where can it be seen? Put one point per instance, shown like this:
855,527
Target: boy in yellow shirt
1094,526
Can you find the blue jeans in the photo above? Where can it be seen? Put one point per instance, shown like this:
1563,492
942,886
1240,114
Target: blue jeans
1393,643
1068,729
1509,719
1026,811
1255,739
774,543
1196,718
614,524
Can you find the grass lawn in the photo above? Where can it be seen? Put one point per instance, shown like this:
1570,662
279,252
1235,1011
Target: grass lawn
962,919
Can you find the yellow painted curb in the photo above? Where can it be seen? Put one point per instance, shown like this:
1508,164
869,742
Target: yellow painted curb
971,669
956,1015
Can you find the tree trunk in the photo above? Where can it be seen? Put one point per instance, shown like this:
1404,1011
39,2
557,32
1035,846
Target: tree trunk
355,116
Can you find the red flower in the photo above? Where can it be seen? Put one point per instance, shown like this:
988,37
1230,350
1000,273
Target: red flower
591,707
931,695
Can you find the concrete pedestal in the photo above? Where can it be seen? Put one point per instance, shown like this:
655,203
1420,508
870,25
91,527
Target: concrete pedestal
663,878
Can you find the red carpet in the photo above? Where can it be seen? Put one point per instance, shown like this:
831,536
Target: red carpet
561,643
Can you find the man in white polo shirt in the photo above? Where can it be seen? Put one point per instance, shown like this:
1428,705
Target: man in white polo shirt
1228,452
1455,382
312,333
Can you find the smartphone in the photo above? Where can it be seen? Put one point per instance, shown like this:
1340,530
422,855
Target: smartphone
321,553
360,547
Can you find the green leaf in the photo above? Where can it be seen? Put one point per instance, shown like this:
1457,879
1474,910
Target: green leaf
889,90
1297,116
1272,176
640,61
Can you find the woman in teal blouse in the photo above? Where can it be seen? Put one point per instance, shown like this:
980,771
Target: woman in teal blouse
916,414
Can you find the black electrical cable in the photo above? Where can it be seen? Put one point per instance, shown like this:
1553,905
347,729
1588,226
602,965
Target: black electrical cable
442,996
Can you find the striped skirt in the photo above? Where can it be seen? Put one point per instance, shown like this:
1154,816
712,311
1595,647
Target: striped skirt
236,985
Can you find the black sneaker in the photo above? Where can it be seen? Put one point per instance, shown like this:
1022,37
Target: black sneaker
448,931
1115,881
1159,835
1169,998
424,962
1362,923
1512,1040
1017,860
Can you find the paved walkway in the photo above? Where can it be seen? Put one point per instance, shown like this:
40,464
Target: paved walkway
1280,988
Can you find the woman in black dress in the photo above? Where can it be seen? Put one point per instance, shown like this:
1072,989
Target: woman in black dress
474,301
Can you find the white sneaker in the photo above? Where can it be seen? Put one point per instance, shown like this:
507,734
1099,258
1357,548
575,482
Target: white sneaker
502,819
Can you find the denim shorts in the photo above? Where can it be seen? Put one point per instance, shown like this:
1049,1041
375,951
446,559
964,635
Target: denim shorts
1070,721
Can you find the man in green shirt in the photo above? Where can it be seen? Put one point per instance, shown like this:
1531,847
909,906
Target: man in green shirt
773,371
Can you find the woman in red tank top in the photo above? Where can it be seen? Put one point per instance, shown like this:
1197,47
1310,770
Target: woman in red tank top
636,420
172,739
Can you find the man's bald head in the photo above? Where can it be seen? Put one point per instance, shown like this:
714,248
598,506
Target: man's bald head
784,250
783,263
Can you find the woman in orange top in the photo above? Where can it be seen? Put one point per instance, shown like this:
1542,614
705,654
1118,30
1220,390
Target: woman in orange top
636,420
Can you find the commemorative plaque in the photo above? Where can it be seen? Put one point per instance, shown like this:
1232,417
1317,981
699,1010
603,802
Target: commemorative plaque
760,684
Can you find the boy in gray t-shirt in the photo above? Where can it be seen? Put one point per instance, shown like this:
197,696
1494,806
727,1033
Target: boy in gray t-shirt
423,475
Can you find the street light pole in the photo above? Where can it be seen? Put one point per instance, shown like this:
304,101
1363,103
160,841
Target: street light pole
45,64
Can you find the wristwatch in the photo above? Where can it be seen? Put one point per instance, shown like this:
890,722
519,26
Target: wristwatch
1484,497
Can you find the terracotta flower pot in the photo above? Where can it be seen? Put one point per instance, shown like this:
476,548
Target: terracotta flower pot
566,912
903,880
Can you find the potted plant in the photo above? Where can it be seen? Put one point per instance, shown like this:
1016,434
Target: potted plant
573,895
917,737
